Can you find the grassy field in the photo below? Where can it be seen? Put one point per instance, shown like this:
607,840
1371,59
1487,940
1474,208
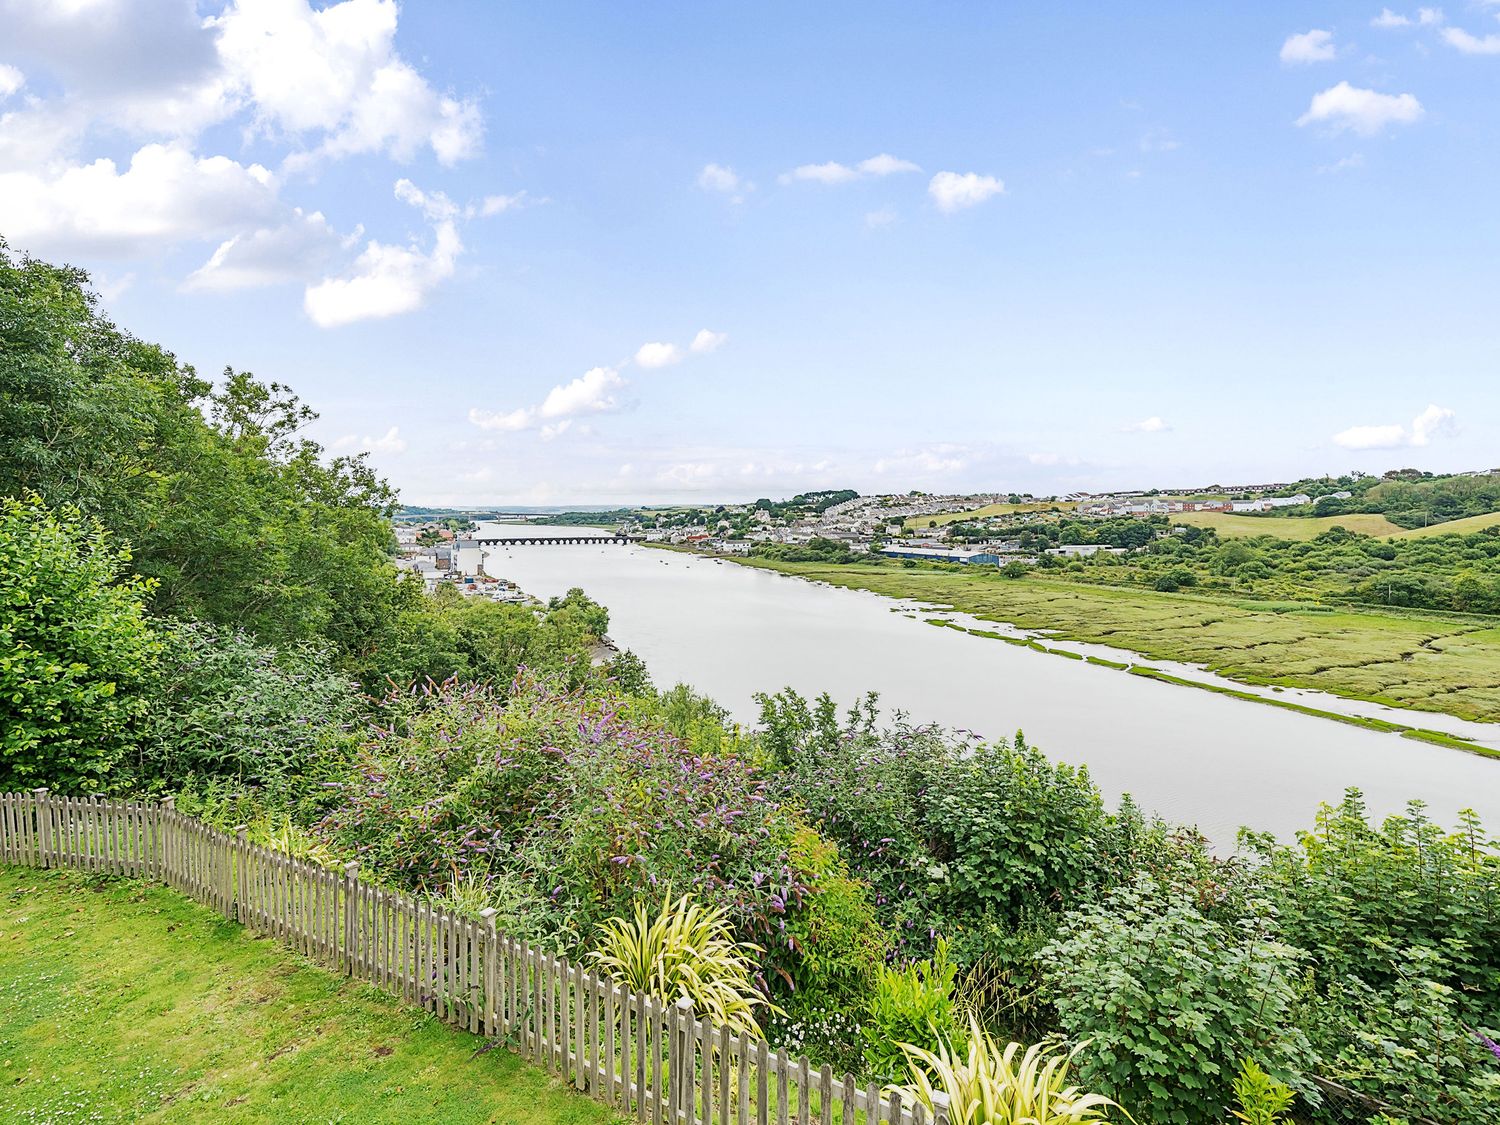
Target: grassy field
919,523
125,1002
1466,526
1426,663
1288,527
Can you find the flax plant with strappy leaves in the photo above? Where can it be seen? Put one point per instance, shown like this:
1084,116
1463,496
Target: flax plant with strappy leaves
685,949
995,1085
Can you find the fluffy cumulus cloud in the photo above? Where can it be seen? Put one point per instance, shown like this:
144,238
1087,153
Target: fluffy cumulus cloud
833,172
658,355
952,191
386,280
166,194
600,390
720,178
11,80
1425,17
1435,421
707,341
1365,112
1471,44
1308,47
309,84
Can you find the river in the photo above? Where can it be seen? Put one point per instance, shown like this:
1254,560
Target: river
1193,756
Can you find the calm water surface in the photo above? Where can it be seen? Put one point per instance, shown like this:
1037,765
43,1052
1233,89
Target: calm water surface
731,631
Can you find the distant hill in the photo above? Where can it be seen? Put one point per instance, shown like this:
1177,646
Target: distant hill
1230,525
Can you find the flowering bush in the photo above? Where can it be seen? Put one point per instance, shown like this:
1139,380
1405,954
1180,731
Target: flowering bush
585,799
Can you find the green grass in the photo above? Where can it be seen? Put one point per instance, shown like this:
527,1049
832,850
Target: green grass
1423,662
919,523
1230,525
121,1001
1466,526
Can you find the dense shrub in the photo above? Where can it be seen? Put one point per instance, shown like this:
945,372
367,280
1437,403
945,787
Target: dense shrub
1355,896
1408,1045
222,706
75,644
911,1004
1173,1000
585,800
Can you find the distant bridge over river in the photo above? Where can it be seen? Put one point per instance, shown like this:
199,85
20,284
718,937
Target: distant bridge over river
556,540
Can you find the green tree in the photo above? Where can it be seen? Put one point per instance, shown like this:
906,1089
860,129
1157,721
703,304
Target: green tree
74,648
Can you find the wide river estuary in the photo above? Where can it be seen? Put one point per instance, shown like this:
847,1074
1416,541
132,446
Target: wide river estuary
731,631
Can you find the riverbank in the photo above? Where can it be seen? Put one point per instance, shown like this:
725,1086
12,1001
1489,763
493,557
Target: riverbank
1414,663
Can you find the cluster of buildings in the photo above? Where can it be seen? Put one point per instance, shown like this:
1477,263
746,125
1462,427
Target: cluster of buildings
451,561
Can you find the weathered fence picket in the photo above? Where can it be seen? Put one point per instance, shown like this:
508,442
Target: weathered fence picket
648,1058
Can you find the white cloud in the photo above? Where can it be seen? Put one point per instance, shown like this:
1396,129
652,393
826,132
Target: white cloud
11,80
718,177
596,391
335,72
1151,425
944,457
1343,164
1365,111
1435,421
708,341
290,252
308,84
389,280
391,443
885,165
1426,17
166,195
881,218
658,355
1471,44
953,192
832,172
1308,47
498,204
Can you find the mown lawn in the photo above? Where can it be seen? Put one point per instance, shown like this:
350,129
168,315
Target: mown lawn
121,1001
1425,663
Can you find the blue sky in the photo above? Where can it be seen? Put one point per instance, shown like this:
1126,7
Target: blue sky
943,246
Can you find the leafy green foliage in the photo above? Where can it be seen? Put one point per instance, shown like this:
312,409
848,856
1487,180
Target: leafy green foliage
1173,999
993,1085
911,1005
1358,897
684,949
222,706
233,515
1262,1100
1408,1045
75,644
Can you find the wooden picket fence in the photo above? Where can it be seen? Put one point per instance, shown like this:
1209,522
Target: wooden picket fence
640,1054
